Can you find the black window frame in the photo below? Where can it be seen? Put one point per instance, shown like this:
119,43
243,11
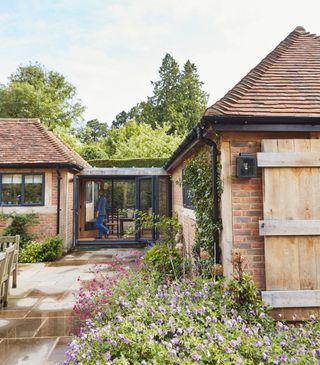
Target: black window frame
186,200
23,175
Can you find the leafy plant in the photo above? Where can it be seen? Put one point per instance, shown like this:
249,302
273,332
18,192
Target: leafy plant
140,140
166,263
19,224
166,227
48,250
242,288
198,177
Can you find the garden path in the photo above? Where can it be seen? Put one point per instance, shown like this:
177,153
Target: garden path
35,328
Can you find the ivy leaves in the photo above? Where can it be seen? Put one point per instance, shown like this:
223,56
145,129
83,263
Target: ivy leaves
198,177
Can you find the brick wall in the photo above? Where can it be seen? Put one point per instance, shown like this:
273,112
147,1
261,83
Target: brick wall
47,226
47,214
70,209
247,210
186,216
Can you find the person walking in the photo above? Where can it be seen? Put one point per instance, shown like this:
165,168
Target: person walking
101,209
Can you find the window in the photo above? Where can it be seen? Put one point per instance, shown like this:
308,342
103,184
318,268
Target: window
22,189
186,199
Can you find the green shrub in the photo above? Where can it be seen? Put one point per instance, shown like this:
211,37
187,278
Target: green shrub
49,250
19,226
92,152
131,162
165,262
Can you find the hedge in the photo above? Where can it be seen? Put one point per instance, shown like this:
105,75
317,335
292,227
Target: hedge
133,162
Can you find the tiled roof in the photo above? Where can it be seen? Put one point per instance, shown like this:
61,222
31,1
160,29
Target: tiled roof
27,141
285,83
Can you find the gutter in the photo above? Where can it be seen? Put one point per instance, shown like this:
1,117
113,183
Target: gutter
214,181
245,123
73,167
58,198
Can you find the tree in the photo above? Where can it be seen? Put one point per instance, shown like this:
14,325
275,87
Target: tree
166,92
140,140
93,131
178,100
193,100
92,152
35,92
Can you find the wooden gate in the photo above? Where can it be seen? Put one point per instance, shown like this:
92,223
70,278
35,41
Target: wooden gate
291,225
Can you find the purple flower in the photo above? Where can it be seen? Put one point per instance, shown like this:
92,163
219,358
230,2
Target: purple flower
233,343
107,356
264,356
219,337
195,356
283,358
312,317
123,338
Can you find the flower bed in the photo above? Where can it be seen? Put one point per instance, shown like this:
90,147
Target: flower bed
131,319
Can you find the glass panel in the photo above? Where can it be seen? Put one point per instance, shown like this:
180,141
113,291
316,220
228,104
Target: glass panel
89,187
163,196
123,207
11,189
146,204
33,189
91,196
187,201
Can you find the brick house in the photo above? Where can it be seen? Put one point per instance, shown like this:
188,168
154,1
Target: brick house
268,145
270,123
36,176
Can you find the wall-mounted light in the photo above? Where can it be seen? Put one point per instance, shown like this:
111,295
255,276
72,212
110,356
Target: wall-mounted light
246,165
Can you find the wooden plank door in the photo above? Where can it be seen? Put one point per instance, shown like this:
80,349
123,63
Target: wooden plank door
291,225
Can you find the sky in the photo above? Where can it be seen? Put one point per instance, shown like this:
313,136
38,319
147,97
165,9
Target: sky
112,49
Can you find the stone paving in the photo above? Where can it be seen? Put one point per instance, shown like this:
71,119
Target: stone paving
35,328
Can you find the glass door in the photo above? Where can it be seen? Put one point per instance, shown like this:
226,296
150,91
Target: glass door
145,204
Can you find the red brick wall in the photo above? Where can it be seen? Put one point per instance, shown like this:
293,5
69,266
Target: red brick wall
247,210
47,214
70,208
47,226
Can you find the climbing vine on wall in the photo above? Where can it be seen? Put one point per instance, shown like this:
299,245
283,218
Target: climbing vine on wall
198,178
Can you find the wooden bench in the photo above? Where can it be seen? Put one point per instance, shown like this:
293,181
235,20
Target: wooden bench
6,263
6,242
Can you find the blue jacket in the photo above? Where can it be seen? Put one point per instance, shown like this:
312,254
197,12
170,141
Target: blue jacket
102,205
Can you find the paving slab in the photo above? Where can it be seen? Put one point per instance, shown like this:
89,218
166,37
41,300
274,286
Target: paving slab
36,326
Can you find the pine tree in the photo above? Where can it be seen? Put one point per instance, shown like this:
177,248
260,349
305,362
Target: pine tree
193,100
178,100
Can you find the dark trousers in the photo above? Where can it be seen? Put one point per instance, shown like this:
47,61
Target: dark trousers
102,228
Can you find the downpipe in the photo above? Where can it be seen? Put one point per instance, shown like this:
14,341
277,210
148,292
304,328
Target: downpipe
58,198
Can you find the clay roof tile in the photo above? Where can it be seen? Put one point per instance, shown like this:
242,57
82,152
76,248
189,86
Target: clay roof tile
286,82
28,141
